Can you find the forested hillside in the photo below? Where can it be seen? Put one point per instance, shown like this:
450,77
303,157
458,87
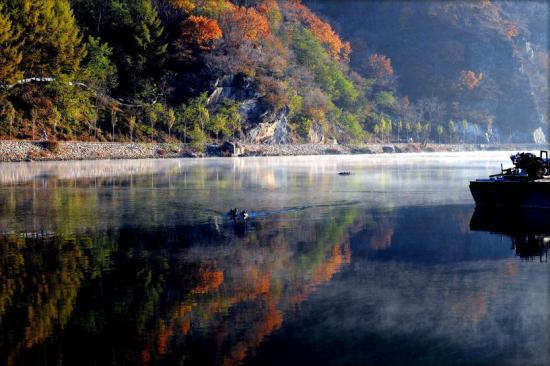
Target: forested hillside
483,61
271,71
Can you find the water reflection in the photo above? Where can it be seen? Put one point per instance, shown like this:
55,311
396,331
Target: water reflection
529,229
187,292
147,269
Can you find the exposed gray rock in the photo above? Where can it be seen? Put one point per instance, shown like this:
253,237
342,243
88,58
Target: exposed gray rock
272,130
316,135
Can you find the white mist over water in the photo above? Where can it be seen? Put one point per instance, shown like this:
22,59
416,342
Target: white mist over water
17,173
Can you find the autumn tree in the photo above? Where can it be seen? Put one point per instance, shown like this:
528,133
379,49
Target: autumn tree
244,31
242,23
379,67
200,32
511,29
213,8
187,6
469,80
338,49
272,11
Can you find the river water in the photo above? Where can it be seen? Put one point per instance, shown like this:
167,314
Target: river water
137,263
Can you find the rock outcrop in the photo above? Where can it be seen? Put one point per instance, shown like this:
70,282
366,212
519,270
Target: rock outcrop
261,123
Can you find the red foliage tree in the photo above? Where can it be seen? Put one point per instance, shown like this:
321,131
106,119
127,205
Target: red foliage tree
380,66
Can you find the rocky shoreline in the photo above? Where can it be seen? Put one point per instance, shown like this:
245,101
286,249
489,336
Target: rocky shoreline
17,151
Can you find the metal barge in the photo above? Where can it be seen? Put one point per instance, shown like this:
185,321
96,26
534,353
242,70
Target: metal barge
526,185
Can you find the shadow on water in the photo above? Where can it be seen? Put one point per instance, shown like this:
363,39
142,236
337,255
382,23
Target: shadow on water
528,229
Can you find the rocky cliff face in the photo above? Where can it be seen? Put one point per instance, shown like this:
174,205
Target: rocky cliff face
261,123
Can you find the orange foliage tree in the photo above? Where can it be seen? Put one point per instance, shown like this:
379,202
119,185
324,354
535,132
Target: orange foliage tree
469,80
247,23
337,48
209,280
511,30
201,31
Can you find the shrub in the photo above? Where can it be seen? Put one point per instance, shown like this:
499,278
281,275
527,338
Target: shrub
174,148
385,99
198,139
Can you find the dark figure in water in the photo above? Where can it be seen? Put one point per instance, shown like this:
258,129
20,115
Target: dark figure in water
233,213
244,214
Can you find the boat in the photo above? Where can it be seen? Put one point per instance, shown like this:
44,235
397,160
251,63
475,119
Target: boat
525,185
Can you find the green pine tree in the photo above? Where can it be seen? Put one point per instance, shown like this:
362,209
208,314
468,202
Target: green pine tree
51,43
145,63
10,56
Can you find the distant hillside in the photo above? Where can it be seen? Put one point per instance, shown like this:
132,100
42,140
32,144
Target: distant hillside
273,71
484,61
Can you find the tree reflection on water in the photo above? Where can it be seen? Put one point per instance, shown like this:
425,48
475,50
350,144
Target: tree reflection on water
138,264
160,294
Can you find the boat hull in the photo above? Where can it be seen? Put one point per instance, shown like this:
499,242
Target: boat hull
526,194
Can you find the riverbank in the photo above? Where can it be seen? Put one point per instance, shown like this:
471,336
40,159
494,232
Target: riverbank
15,151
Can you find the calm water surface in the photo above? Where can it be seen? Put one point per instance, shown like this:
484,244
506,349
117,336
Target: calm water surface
136,263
